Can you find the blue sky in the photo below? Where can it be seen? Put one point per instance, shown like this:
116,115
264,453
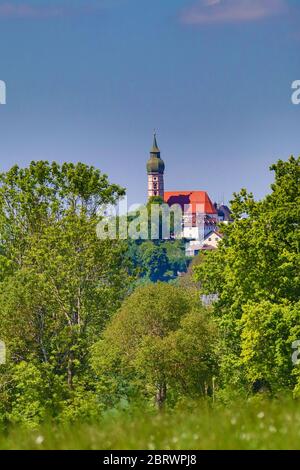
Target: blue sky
89,80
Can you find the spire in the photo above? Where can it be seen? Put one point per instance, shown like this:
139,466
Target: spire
155,148
155,164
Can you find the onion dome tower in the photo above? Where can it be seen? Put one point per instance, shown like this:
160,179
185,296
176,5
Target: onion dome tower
155,170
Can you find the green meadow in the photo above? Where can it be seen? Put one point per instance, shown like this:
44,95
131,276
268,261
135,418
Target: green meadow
258,424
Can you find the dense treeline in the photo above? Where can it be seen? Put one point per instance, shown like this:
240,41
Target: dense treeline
89,326
256,274
60,285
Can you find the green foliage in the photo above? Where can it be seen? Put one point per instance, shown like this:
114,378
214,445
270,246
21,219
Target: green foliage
157,260
154,200
154,259
28,395
160,340
59,283
255,273
33,392
43,193
268,331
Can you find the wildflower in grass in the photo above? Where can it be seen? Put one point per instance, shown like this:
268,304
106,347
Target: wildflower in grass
261,415
272,429
39,440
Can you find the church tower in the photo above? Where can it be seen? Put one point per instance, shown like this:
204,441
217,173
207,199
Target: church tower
155,170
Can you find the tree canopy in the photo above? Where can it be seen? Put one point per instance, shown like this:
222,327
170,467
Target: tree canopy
59,282
160,343
256,267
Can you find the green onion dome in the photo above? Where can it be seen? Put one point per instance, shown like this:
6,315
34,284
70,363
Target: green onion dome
155,164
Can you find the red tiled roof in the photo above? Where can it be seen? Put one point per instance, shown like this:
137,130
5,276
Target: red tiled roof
198,201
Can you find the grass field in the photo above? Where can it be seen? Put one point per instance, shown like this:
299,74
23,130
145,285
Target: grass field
261,425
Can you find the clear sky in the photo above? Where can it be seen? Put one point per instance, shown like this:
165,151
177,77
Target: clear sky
89,80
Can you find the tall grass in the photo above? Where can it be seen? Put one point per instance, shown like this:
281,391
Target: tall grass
273,424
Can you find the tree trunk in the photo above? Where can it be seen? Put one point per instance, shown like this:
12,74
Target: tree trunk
161,395
70,371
